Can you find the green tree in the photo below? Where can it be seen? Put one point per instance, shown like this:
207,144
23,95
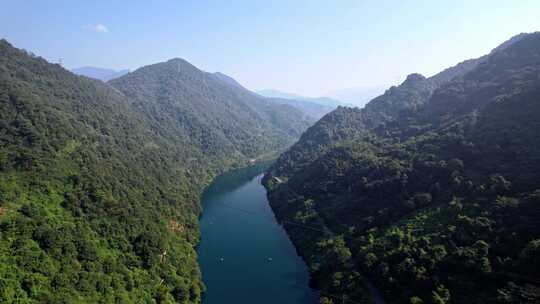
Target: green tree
416,300
441,295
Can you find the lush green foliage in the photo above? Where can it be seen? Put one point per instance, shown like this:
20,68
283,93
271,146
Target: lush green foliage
435,203
99,186
221,119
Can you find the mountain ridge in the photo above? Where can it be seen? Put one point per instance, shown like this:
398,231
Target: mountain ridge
219,104
419,191
415,90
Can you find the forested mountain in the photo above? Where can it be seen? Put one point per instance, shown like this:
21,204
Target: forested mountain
431,192
211,113
99,73
348,124
100,183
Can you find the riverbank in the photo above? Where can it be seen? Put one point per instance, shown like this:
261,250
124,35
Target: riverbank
320,248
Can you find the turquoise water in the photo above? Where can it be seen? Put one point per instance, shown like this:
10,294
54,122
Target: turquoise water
245,256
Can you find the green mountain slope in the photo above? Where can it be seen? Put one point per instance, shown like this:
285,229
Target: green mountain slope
216,116
433,196
350,123
99,186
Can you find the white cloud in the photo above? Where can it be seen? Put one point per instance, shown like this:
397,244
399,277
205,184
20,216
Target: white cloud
98,28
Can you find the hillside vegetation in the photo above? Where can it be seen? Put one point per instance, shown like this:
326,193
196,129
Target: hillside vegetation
100,183
431,192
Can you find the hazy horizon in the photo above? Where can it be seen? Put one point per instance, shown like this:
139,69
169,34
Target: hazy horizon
308,48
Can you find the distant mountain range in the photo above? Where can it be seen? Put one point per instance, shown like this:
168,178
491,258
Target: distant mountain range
357,96
102,74
349,97
312,110
325,101
314,107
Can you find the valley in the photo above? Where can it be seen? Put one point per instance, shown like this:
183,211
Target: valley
155,152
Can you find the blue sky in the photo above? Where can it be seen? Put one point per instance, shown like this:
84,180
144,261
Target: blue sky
307,47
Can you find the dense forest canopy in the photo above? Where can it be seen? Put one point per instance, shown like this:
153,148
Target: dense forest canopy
100,183
431,192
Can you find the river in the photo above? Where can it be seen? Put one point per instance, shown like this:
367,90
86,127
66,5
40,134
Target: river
246,257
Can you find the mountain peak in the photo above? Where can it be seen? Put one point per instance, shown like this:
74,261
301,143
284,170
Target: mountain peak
511,41
5,42
180,62
176,64
414,77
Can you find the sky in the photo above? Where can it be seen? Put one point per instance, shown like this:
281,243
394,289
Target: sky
306,47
